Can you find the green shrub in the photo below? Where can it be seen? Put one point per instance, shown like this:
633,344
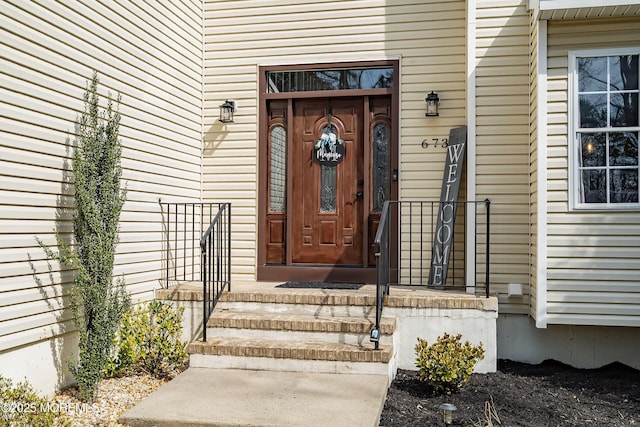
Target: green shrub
20,405
447,365
149,340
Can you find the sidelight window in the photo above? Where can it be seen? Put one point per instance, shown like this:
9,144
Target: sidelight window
277,168
380,166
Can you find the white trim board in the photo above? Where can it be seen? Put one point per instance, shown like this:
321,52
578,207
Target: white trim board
471,136
541,236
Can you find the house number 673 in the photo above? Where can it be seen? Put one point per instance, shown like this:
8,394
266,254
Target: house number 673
435,142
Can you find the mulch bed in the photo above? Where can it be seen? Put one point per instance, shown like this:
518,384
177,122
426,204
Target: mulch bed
115,397
518,394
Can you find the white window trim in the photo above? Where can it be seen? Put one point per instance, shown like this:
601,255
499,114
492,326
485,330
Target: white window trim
574,177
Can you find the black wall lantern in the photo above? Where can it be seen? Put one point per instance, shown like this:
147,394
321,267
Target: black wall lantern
433,102
226,111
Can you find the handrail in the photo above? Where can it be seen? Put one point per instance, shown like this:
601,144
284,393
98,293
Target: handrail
412,225
487,204
185,233
383,259
184,224
215,247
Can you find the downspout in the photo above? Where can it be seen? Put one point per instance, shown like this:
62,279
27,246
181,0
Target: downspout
471,143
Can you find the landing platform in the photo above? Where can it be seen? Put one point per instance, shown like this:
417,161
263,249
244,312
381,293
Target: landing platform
399,296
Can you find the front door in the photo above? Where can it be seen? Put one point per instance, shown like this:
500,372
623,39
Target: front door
327,182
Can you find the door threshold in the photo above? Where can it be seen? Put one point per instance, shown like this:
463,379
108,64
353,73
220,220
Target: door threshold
315,273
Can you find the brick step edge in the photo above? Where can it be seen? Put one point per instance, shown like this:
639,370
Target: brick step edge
297,322
366,298
305,298
291,350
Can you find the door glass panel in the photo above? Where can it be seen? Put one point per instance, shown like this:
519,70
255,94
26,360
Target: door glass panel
328,193
277,169
328,181
380,166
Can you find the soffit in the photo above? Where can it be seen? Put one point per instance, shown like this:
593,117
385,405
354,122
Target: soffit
584,9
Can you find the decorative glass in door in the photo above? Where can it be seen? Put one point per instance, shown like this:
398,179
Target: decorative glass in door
380,187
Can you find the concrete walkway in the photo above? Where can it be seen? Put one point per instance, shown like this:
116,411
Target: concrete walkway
226,397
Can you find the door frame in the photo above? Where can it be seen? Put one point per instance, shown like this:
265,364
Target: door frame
287,271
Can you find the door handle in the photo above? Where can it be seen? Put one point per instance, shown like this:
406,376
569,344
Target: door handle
360,194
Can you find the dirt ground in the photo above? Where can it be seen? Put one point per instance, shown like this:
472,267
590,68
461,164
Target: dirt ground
518,394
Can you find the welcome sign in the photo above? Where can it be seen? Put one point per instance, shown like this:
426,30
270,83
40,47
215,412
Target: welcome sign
443,239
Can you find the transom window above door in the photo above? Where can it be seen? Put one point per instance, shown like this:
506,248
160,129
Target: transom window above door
329,79
606,126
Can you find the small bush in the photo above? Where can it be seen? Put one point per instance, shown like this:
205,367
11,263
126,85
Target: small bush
447,365
149,340
20,405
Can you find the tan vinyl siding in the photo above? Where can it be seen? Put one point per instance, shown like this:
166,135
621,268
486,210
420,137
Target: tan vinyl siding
240,36
593,257
502,141
152,54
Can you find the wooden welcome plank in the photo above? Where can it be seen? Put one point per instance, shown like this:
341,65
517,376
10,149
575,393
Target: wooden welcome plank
448,207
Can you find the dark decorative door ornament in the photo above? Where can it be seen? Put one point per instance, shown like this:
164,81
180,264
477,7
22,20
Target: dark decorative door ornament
329,149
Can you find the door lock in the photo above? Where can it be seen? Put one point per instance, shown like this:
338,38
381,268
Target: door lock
360,194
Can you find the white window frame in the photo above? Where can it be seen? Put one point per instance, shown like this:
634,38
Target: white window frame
573,127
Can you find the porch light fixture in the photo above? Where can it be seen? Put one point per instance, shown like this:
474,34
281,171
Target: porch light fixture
433,103
226,111
447,413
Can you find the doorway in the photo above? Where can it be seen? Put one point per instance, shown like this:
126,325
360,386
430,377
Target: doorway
328,161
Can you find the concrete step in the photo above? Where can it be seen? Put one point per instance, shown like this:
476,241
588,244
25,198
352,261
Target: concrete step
291,356
295,326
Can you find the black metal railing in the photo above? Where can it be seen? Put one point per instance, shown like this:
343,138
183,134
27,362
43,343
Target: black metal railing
215,247
383,257
198,248
184,226
411,230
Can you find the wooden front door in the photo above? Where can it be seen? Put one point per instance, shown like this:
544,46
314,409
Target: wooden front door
328,204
